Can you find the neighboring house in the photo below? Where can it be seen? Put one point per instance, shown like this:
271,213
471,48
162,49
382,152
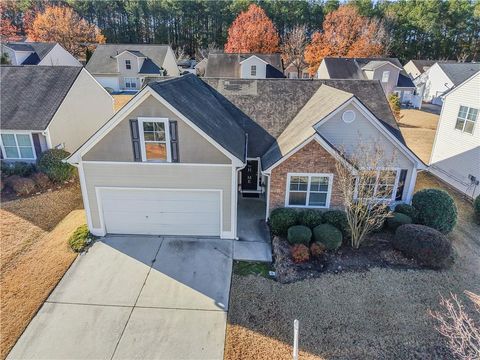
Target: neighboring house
201,67
441,77
124,67
415,68
244,66
388,71
47,107
456,150
175,159
187,66
37,53
291,72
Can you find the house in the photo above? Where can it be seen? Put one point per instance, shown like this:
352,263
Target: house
388,71
37,53
244,66
176,159
46,107
441,77
291,72
456,150
201,66
124,67
187,66
415,68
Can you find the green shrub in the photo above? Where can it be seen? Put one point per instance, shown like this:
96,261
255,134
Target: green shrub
299,234
428,246
51,163
300,253
398,219
337,218
436,209
310,218
281,220
17,168
317,249
80,239
328,235
408,210
476,208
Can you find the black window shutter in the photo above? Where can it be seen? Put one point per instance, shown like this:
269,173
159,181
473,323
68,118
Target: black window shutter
401,184
36,145
137,155
174,141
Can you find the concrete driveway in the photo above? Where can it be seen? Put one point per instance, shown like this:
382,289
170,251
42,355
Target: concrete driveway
136,297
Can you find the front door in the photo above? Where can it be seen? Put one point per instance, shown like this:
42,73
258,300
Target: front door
250,176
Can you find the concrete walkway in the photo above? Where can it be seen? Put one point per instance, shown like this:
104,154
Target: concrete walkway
140,297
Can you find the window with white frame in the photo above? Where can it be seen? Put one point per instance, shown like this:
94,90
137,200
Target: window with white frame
309,190
128,64
385,76
131,83
253,70
18,146
378,184
155,137
466,119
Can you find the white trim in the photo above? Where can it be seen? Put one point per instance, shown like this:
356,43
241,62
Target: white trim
234,203
14,133
98,190
86,201
253,56
395,184
124,51
411,186
267,207
154,163
455,88
309,175
165,122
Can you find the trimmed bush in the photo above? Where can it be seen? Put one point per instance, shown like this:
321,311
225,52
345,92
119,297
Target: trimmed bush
51,164
476,208
398,219
281,220
300,253
310,218
337,218
80,239
17,168
428,246
21,185
328,235
408,210
299,234
41,180
317,249
436,209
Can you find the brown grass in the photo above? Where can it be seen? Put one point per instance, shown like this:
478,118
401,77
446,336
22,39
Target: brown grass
418,129
34,255
120,101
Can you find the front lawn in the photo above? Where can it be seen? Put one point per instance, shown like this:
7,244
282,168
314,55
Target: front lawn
34,254
375,314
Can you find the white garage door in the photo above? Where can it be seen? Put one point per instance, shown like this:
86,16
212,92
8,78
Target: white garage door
161,212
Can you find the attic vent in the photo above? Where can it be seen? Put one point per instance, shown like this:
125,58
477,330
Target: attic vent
238,87
348,116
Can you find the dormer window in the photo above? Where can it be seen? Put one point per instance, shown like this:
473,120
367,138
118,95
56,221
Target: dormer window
128,64
253,70
385,76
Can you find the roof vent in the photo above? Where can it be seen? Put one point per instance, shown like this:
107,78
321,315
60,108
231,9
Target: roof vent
348,116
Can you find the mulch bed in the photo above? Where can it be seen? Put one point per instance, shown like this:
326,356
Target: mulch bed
376,251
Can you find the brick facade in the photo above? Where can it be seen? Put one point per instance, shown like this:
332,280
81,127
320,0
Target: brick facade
312,158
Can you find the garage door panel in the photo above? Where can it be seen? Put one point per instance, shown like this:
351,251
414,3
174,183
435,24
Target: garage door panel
161,212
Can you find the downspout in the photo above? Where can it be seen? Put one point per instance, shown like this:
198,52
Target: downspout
237,172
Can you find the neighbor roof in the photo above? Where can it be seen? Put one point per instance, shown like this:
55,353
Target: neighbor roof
228,65
103,60
31,95
459,72
39,49
423,64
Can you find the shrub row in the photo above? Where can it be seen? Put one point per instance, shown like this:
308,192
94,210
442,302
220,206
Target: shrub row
326,234
301,253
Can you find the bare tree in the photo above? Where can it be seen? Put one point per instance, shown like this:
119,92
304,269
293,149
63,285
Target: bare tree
202,53
367,183
293,48
181,53
461,332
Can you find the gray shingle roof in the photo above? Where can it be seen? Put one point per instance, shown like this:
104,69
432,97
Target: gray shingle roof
423,65
40,50
103,60
30,95
459,72
197,102
225,65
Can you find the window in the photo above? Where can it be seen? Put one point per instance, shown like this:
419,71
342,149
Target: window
385,76
155,138
128,65
466,119
131,83
253,70
306,75
309,190
18,146
378,184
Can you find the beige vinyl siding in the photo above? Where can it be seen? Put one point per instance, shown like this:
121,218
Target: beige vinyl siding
138,175
193,147
84,110
456,154
412,70
322,71
170,63
389,86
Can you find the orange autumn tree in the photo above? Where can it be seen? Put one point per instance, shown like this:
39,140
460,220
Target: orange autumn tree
63,25
252,32
345,34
